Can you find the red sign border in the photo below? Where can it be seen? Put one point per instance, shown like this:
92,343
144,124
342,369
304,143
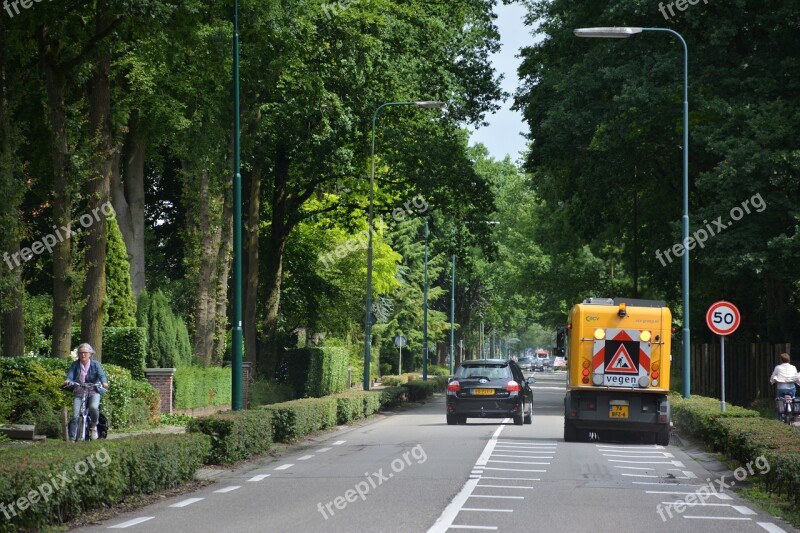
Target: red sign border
737,317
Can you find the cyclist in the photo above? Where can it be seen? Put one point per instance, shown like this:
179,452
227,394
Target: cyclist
785,376
86,370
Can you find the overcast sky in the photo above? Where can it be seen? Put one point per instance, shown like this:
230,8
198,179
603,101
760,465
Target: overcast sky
503,134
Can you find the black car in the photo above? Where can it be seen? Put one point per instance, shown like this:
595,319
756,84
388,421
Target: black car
526,363
489,388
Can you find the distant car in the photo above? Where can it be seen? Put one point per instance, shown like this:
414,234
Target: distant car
526,363
489,388
541,360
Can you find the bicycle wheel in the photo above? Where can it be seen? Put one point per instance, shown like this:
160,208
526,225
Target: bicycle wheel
80,431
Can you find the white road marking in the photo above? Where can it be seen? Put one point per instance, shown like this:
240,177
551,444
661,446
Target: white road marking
519,462
512,478
258,477
772,528
646,462
227,489
188,501
702,504
497,497
284,466
445,520
505,487
524,456
663,455
339,442
638,475
323,450
717,495
717,518
514,469
488,510
305,457
744,510
133,522
661,483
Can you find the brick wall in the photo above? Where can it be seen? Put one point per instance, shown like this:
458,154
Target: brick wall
162,380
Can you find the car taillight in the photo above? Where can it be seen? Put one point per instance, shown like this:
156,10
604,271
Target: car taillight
453,386
513,386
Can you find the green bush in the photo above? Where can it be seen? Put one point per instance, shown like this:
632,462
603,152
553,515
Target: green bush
317,372
349,408
120,305
295,419
168,344
197,387
434,370
265,392
372,402
419,390
128,402
235,436
101,473
393,381
393,396
698,415
742,435
126,347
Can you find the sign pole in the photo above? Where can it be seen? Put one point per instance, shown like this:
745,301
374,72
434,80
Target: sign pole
722,371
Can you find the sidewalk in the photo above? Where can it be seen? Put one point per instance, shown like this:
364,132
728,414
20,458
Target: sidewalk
164,429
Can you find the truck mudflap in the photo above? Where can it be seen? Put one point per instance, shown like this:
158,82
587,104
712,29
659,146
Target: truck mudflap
608,410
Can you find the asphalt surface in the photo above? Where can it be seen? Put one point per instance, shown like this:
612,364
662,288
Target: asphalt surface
408,471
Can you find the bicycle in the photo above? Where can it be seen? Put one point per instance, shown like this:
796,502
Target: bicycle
83,419
788,409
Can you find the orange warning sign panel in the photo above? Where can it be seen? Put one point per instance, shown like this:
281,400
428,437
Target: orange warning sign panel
622,362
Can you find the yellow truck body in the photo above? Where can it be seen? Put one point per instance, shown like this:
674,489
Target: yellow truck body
618,368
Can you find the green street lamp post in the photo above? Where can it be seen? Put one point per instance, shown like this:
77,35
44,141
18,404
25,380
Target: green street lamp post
236,330
368,314
622,33
425,312
452,313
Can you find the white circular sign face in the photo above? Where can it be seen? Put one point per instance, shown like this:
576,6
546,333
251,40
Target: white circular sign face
723,318
400,341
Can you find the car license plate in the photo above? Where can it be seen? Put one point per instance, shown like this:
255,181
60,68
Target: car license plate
483,392
618,411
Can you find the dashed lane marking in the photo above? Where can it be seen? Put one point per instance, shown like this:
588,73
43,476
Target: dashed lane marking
284,466
188,501
227,489
133,522
258,477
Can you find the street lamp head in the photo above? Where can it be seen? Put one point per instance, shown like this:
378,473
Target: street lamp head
428,104
615,32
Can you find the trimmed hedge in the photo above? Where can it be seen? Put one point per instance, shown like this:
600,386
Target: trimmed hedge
354,405
742,435
295,419
126,347
235,436
317,372
202,387
100,473
393,396
419,390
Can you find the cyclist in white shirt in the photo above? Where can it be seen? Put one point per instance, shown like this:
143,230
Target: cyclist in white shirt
785,376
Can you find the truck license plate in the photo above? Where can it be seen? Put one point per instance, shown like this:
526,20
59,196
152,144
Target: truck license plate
617,411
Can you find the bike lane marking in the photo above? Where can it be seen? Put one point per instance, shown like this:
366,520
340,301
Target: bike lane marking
133,522
188,501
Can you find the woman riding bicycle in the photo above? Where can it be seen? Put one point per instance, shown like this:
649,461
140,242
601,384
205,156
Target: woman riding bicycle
785,376
86,370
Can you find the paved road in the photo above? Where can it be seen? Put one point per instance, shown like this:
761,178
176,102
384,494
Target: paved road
410,472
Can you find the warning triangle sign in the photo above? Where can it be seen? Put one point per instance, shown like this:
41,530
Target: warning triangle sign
621,362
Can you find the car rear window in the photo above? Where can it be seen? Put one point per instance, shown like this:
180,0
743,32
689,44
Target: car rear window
490,371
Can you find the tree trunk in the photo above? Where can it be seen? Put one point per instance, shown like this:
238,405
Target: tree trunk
62,200
128,199
205,285
13,331
251,266
278,235
98,189
223,269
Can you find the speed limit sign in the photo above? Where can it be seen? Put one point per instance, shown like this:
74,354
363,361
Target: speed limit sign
723,318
